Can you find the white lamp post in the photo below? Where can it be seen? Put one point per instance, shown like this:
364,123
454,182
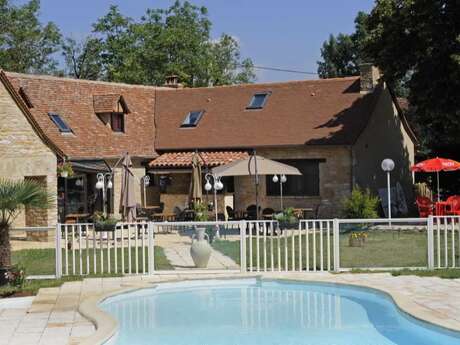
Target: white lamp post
388,165
104,181
217,185
281,180
145,183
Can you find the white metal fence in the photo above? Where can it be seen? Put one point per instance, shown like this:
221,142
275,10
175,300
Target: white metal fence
268,246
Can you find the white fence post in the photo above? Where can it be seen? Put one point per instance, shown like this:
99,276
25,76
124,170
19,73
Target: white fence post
336,244
58,255
243,246
151,248
430,242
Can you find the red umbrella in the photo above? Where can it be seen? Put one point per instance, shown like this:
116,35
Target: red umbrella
436,165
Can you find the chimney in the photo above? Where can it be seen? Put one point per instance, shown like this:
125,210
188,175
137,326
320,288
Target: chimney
172,81
370,76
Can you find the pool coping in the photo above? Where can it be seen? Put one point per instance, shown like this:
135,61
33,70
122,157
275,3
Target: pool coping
106,326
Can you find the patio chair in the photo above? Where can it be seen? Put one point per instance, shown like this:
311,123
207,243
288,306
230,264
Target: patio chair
252,212
454,205
268,213
230,213
425,206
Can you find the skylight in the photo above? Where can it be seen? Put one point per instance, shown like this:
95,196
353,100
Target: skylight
60,123
192,118
258,100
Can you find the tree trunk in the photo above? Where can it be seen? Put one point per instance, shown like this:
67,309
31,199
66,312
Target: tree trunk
5,249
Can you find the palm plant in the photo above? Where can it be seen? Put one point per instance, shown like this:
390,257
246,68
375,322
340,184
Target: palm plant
15,196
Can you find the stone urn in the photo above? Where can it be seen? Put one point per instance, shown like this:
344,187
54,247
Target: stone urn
200,250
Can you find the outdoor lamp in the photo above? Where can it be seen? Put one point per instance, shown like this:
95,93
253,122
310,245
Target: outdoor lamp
146,180
100,181
275,179
207,186
283,178
388,165
218,185
109,183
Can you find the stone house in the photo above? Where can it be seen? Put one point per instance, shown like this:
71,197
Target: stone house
335,131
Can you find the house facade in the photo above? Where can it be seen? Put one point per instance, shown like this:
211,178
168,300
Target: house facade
335,131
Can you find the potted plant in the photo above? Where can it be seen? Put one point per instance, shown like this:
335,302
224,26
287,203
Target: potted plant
361,204
357,238
64,169
104,222
15,196
287,219
200,249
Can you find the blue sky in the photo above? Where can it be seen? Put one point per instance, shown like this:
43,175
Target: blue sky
277,33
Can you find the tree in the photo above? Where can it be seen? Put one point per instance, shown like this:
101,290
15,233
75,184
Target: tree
419,41
14,196
83,59
343,53
169,41
26,45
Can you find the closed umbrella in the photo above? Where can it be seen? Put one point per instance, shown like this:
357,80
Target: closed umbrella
436,165
127,196
254,166
196,192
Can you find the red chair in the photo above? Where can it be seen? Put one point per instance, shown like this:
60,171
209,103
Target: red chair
454,205
425,206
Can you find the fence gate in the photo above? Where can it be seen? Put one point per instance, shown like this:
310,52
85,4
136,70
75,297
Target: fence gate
443,242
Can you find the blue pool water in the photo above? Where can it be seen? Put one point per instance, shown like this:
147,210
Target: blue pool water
250,312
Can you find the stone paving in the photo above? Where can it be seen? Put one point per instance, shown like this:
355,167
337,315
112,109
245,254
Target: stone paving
53,317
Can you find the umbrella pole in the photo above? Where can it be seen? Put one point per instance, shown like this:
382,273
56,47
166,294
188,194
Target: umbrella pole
437,174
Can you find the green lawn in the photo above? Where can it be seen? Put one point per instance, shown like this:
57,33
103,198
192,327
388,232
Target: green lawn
382,249
42,261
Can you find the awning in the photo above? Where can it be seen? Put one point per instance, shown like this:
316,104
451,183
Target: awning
90,166
183,160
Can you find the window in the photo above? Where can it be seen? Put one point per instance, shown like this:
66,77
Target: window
258,100
60,123
117,122
306,184
192,118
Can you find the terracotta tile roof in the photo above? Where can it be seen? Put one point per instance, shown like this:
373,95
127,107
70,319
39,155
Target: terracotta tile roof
184,159
111,103
329,111
74,100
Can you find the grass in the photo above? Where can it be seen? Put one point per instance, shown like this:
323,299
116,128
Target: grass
448,273
42,261
382,249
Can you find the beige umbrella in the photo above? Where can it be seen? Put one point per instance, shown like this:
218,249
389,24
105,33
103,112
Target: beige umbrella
196,192
127,197
254,166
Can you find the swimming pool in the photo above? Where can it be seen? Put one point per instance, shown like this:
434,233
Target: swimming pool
249,312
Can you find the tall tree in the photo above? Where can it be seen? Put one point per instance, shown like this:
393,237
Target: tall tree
83,59
343,53
168,41
26,45
420,41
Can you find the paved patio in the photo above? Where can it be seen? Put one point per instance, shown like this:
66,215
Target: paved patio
53,317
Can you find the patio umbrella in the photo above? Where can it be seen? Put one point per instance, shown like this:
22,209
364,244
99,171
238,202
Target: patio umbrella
436,165
127,197
196,192
254,166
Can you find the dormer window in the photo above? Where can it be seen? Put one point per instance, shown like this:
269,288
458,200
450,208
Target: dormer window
117,122
258,100
60,123
192,118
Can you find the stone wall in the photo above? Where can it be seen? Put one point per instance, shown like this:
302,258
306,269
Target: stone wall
334,180
23,154
384,137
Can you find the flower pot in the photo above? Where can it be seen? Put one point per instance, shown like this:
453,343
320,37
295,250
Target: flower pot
288,225
200,249
64,174
355,242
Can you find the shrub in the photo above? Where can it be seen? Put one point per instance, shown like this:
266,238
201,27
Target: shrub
360,204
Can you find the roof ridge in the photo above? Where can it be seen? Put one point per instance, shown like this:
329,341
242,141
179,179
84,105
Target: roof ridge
268,84
100,82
